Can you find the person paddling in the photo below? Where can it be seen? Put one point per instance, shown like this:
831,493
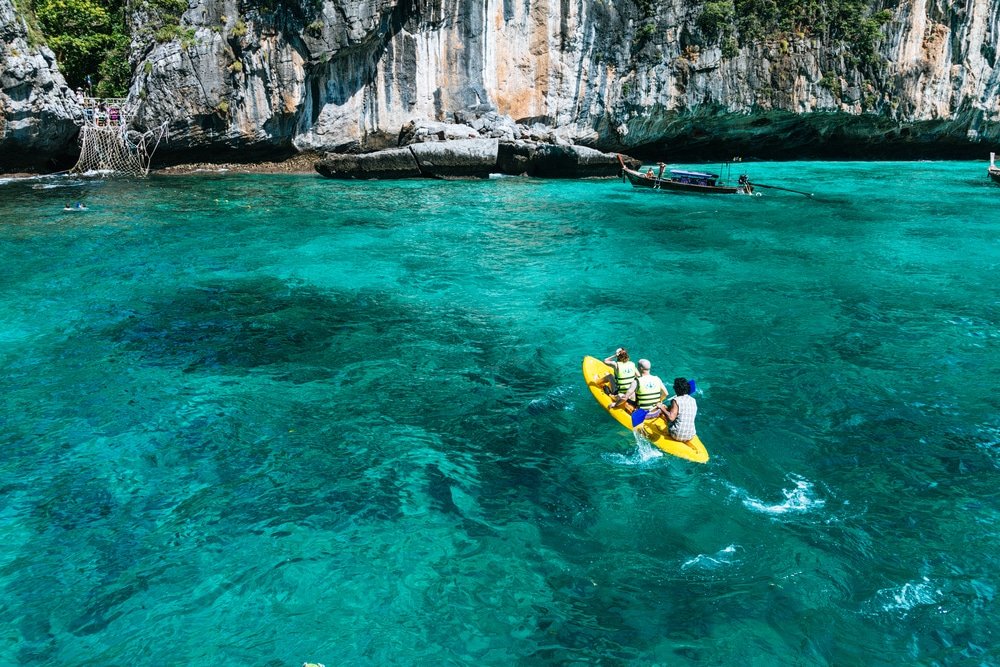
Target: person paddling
680,413
646,392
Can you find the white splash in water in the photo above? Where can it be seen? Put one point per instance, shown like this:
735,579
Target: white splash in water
719,558
643,453
798,500
57,184
906,597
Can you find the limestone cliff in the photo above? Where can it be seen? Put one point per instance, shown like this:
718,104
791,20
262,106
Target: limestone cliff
36,108
268,76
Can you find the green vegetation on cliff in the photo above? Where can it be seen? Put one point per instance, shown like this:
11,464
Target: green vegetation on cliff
851,23
89,38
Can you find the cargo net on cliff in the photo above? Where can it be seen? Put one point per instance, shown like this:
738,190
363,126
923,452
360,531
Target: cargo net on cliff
108,144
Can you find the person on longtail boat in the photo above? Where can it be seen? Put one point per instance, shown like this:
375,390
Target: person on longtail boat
680,413
622,375
647,391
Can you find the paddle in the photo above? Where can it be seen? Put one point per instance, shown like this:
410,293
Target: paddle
775,187
638,416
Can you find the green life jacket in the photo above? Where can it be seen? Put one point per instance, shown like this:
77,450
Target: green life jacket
647,394
625,372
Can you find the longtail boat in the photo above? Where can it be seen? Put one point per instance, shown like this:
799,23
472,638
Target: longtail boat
994,170
682,180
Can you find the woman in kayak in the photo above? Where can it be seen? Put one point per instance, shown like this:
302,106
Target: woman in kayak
622,375
680,413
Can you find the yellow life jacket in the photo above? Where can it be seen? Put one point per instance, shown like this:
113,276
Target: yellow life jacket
625,372
647,394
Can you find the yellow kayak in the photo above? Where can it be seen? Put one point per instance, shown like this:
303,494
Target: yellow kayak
656,430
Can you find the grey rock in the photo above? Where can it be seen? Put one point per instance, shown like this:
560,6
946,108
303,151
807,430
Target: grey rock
391,163
340,166
475,158
564,161
515,157
37,108
387,164
420,131
467,158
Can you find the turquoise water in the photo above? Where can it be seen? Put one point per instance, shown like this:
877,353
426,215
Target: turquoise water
261,420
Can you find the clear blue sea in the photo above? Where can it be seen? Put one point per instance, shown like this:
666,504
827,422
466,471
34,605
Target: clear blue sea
262,420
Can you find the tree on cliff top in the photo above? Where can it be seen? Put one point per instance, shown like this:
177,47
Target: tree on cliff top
88,38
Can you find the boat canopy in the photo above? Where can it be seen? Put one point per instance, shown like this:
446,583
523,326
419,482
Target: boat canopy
692,174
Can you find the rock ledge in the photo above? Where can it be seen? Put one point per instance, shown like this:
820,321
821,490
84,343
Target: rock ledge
439,150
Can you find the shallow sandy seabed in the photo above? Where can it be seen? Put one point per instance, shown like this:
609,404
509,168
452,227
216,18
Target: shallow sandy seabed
303,163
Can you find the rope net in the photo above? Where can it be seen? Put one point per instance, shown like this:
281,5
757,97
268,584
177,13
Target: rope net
108,145
116,150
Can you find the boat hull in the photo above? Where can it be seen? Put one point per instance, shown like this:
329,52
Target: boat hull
639,180
995,174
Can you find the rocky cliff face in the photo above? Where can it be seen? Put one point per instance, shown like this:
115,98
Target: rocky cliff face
942,64
260,76
36,107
